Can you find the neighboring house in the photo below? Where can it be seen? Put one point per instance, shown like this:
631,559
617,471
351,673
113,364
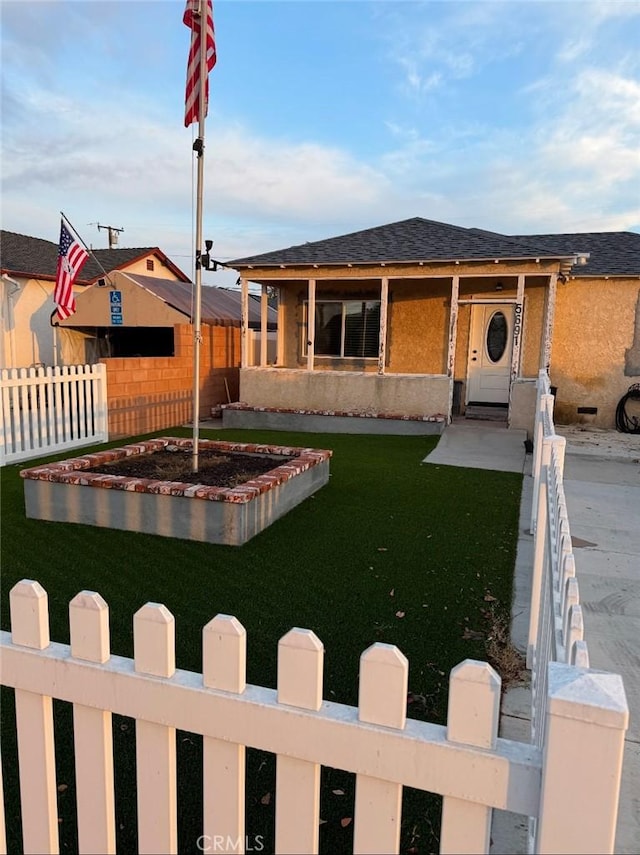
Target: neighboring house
421,318
28,272
145,316
134,310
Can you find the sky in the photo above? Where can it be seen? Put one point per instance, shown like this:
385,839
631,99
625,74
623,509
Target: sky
325,117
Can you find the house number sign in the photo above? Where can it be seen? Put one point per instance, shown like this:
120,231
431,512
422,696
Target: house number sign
517,325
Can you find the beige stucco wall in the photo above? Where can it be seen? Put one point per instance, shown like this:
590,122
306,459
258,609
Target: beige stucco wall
321,390
26,332
523,406
596,323
140,308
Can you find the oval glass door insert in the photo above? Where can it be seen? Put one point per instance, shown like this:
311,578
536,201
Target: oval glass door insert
496,337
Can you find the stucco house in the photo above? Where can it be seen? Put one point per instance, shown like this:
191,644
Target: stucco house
425,319
28,273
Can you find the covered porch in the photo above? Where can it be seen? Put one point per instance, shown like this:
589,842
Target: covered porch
424,343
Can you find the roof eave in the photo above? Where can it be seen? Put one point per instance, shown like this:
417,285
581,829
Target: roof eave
276,265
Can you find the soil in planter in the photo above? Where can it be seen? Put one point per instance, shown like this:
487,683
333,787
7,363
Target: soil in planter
215,468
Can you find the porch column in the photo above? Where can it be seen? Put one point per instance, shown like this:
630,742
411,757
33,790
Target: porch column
311,324
547,325
518,313
384,302
264,306
453,333
279,333
244,323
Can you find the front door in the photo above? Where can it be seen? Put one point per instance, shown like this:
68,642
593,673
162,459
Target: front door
490,345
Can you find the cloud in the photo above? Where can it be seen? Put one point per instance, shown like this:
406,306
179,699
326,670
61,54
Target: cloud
567,161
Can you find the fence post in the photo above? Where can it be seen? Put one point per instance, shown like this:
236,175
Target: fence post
384,678
34,722
544,402
92,734
587,716
539,551
154,653
224,657
300,666
474,709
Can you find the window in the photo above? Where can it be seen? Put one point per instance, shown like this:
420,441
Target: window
150,264
497,337
346,328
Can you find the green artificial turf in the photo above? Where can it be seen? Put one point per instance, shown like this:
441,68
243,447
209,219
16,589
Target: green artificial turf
390,550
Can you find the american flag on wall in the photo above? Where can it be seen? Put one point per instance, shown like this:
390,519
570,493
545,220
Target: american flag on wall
71,256
192,20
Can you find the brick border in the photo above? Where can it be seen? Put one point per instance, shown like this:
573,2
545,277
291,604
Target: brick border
74,470
437,417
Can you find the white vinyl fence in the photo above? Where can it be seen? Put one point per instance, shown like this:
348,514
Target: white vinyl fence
556,626
45,410
569,782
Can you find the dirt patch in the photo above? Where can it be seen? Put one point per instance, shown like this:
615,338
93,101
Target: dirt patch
215,468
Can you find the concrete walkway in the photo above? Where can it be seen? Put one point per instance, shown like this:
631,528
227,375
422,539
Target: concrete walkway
602,486
480,445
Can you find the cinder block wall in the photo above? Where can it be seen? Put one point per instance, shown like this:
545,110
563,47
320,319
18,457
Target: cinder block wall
152,393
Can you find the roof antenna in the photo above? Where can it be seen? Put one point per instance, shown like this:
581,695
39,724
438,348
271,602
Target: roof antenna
113,234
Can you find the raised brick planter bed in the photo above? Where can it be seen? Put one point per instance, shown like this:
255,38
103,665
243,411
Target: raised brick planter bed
68,491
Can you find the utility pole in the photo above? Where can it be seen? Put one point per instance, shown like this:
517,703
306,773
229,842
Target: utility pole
113,234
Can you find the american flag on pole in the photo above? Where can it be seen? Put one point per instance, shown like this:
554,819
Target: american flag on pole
192,20
71,256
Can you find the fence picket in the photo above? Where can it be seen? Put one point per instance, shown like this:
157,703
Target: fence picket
571,598
93,738
224,656
300,666
34,723
384,678
472,719
154,653
45,410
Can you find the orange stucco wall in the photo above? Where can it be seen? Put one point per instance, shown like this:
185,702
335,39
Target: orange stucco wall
152,393
597,323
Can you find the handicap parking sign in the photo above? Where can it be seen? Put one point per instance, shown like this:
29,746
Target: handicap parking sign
115,297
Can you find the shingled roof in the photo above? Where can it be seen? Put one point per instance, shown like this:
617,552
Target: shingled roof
610,253
421,240
23,255
413,240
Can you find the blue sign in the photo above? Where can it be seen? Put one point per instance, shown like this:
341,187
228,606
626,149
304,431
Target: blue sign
115,297
116,320
116,310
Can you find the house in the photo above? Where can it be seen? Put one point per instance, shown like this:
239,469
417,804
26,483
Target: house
425,319
28,273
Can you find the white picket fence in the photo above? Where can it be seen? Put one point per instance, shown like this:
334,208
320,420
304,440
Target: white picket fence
556,626
569,782
45,410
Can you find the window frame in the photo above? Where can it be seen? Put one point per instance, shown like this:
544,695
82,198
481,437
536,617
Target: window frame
343,303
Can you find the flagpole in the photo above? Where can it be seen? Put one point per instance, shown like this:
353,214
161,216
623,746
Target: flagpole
199,149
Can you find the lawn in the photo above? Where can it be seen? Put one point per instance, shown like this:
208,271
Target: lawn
390,550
